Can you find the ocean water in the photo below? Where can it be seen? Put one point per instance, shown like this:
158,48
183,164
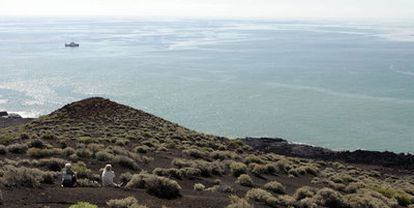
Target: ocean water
341,85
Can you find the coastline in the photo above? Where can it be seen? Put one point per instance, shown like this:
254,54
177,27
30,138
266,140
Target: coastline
404,161
281,146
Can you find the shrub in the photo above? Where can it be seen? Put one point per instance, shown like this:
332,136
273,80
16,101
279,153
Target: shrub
22,176
304,192
168,172
49,177
237,202
190,172
199,187
125,161
37,143
125,177
3,149
403,198
82,170
83,205
84,153
257,169
307,203
53,164
328,198
222,155
41,153
238,168
363,201
142,149
195,153
163,187
274,187
253,159
122,203
159,186
17,148
245,180
104,156
263,196
68,151
85,182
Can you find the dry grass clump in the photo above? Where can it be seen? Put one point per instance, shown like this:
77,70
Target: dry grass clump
207,168
142,149
220,188
3,149
237,202
156,185
84,153
36,152
83,205
304,192
37,143
68,151
253,159
122,203
22,176
238,168
17,148
401,196
125,161
275,187
199,187
223,155
104,156
260,169
181,173
260,195
329,198
245,180
82,170
53,164
196,153
85,182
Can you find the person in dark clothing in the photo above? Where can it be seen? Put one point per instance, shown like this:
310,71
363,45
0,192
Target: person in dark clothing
68,176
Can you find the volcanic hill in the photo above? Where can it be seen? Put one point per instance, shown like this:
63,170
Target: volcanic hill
162,164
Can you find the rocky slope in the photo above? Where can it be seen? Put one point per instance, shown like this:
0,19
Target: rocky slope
163,164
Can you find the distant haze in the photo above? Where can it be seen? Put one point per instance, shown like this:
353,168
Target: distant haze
397,9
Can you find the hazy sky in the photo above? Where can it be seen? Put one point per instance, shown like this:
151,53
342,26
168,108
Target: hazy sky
213,8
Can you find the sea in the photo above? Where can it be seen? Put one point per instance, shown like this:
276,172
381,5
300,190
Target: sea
339,84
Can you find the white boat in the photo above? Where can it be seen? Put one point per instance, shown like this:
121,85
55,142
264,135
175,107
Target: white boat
72,44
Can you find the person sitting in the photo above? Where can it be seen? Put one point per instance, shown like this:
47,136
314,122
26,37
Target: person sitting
108,176
68,176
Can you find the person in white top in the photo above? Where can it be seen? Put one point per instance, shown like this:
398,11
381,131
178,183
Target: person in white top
108,176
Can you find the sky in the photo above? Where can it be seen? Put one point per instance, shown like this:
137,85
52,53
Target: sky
393,9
